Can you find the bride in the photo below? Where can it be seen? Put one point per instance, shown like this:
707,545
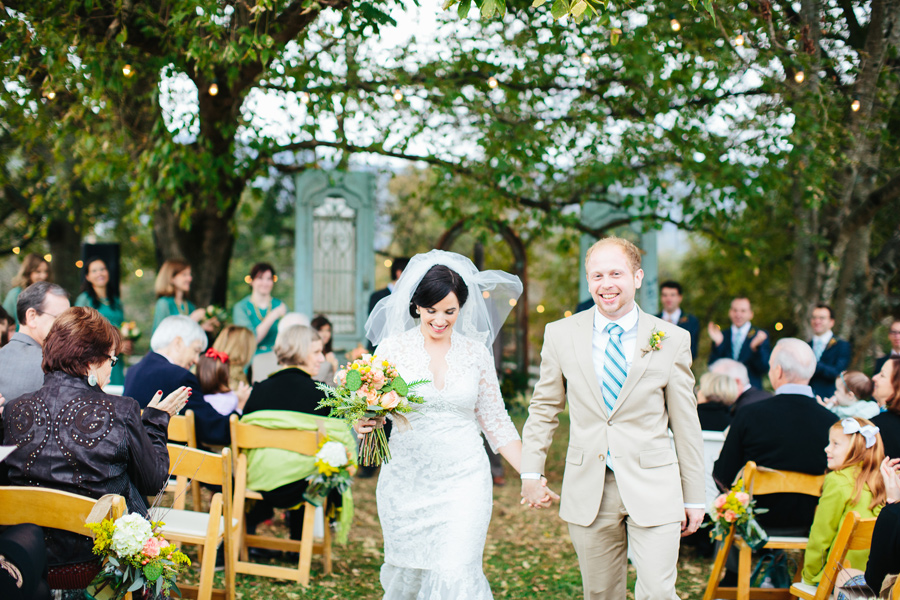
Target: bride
435,496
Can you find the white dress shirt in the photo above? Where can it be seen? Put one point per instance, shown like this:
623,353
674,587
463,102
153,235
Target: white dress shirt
601,338
795,388
672,317
738,335
820,342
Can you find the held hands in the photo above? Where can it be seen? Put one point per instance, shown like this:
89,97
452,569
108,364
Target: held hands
536,494
173,403
693,517
757,340
891,479
715,334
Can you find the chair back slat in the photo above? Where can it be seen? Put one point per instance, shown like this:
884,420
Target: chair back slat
199,465
182,428
760,481
246,437
862,536
51,508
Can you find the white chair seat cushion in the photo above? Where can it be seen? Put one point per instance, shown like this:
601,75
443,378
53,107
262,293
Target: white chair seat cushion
786,539
805,588
186,522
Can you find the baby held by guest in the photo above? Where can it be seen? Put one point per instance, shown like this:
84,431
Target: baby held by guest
851,396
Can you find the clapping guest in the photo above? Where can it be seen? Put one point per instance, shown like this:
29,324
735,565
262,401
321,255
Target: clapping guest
34,268
101,444
742,341
324,328
101,292
173,284
886,393
852,391
239,343
212,371
259,311
715,396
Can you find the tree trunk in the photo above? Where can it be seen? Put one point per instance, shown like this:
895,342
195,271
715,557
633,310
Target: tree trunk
64,238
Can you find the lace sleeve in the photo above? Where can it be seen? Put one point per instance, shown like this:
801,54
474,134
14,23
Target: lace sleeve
490,411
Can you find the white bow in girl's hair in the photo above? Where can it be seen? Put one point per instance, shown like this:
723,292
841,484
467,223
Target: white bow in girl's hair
868,431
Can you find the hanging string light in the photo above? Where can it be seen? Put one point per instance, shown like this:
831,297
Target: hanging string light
739,40
127,71
49,94
799,77
492,82
304,97
854,106
398,95
213,89
673,23
585,58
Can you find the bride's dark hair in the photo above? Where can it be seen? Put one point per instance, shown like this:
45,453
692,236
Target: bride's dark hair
436,285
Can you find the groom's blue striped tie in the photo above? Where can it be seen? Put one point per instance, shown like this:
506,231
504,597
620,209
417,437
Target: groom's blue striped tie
614,372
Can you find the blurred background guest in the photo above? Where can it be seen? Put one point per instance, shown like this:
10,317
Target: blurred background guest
176,346
747,394
266,363
7,326
886,393
326,372
852,391
893,337
173,284
34,268
101,444
212,372
715,396
259,311
832,355
101,292
239,343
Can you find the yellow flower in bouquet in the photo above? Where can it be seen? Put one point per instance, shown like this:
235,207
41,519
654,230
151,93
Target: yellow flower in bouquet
736,508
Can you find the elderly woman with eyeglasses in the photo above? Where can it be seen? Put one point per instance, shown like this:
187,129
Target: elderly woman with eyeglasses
72,436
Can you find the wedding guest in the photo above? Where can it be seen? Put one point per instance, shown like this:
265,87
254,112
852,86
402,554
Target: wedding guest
175,348
239,343
886,393
7,326
266,363
832,355
894,337
853,483
173,284
100,291
670,297
102,444
20,360
259,311
34,268
212,372
742,341
23,564
738,371
715,396
398,265
851,396
324,328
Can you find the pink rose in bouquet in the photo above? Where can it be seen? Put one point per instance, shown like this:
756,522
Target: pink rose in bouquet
730,516
152,547
390,400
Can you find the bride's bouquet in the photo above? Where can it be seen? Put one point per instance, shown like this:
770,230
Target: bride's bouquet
370,388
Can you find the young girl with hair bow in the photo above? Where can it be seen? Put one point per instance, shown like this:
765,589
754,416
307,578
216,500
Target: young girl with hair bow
853,482
213,372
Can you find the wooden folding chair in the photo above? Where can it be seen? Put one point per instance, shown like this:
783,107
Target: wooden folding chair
204,529
854,534
46,507
760,481
182,429
245,437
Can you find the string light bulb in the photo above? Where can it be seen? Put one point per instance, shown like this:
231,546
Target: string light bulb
50,95
540,308
492,82
854,106
79,263
673,22
799,77
48,257
213,89
398,95
127,71
739,40
139,273
585,58
304,97
16,250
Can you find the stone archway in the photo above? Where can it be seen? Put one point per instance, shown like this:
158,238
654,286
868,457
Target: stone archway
520,268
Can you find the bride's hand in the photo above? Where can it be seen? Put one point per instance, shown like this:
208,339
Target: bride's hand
363,426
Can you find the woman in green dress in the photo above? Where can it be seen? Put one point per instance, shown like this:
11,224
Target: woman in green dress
34,268
260,312
172,286
100,291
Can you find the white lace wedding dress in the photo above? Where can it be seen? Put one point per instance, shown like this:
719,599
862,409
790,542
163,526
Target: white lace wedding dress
434,496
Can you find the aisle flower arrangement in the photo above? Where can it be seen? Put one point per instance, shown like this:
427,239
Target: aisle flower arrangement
137,557
369,388
333,464
736,508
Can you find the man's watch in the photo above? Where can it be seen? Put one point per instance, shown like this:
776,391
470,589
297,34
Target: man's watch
525,476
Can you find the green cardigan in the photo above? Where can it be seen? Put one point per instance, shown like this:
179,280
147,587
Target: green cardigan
834,504
166,307
271,468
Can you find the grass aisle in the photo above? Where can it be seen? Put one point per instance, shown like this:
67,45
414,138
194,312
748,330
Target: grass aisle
528,554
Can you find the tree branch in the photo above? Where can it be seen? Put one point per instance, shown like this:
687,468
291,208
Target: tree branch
864,213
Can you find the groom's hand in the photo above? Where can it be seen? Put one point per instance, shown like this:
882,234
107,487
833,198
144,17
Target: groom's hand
536,494
693,517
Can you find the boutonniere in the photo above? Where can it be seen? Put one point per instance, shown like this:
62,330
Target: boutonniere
656,338
683,319
831,343
751,334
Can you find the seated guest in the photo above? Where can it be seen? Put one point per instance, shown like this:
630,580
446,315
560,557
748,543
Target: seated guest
20,359
288,400
239,343
266,363
715,396
887,394
212,372
853,483
325,330
23,564
747,394
786,432
832,355
894,338
88,443
852,391
176,346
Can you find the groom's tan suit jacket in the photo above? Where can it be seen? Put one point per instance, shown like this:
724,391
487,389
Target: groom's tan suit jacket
654,481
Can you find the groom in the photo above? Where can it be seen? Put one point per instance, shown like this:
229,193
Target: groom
623,484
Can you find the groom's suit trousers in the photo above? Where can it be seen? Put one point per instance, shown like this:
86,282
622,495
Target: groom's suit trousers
602,548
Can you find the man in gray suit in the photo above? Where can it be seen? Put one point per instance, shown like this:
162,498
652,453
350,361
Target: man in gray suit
20,360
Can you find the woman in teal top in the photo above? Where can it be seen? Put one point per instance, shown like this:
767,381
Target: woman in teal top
172,286
101,292
34,268
260,312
